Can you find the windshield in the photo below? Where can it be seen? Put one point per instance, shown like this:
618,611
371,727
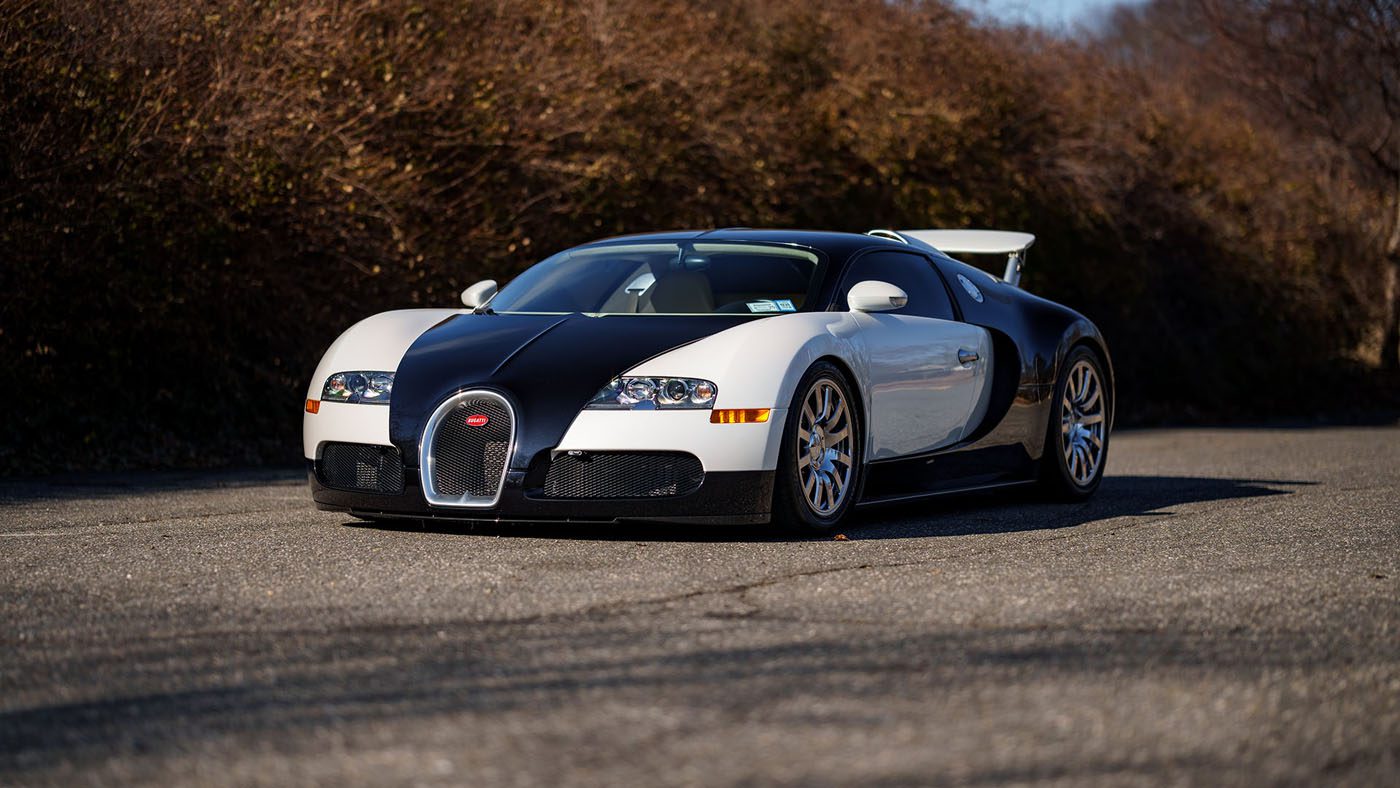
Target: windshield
664,279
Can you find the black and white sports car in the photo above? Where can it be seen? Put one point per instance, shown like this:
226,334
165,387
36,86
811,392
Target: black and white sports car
729,376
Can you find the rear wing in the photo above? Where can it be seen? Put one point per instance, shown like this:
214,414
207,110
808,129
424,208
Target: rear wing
953,242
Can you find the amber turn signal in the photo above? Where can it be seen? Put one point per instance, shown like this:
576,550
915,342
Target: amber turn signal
739,416
313,406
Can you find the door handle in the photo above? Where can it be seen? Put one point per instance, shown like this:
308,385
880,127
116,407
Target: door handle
966,356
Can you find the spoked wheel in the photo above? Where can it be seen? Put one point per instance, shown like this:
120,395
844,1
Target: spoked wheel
1076,446
819,464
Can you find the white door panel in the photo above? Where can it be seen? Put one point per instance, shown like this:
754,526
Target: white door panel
981,389
921,396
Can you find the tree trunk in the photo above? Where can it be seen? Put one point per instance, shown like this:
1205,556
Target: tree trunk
1390,342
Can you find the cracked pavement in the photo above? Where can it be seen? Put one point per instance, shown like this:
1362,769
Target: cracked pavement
1225,610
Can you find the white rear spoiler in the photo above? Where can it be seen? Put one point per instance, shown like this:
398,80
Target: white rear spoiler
951,242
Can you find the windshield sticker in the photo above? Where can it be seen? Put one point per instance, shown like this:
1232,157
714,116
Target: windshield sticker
769,305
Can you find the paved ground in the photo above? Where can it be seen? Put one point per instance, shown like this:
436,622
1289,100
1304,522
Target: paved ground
1227,610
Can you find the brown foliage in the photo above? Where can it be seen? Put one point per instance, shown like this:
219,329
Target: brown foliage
198,196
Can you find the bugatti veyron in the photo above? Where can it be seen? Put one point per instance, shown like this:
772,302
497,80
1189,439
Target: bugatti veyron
725,376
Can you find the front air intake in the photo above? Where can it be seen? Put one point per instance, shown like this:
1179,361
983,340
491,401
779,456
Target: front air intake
465,449
361,468
623,475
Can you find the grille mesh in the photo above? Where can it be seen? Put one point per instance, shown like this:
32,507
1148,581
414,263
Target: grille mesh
469,460
355,466
623,475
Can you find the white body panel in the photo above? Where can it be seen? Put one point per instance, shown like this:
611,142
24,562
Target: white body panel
919,396
755,365
916,394
343,422
720,447
758,364
376,343
982,388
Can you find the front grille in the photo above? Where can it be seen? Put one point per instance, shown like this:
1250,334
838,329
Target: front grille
467,460
355,466
623,475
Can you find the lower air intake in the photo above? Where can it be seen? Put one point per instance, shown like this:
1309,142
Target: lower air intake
361,468
466,447
623,475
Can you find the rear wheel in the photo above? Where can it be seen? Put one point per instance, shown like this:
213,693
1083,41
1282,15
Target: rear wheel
819,465
1076,442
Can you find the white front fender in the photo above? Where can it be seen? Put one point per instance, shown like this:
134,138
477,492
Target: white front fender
758,364
755,365
377,344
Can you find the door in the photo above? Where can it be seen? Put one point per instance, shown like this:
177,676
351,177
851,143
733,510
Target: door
926,370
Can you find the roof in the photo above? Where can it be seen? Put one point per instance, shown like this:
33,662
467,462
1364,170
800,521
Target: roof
836,244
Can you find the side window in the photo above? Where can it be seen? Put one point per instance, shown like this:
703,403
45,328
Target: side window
911,273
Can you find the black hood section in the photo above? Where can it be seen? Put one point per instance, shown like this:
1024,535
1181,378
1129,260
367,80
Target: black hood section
548,366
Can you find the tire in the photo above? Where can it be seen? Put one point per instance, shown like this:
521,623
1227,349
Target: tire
824,466
1076,437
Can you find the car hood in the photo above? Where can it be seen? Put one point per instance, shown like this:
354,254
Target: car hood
548,366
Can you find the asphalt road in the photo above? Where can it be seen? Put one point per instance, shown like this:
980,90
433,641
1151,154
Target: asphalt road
1226,610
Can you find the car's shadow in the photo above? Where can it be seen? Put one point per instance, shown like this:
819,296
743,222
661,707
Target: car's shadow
1017,509
98,485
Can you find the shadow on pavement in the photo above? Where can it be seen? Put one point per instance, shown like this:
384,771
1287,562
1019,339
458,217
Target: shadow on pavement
117,484
282,682
1017,509
1025,510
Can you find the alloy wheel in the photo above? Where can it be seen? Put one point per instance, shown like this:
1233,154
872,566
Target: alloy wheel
825,435
1082,423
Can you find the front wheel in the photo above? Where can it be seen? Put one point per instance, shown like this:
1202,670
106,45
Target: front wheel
819,465
1076,442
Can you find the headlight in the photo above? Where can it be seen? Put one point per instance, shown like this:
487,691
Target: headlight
655,393
370,388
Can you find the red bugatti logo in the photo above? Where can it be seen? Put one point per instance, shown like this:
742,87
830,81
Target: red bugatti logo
477,420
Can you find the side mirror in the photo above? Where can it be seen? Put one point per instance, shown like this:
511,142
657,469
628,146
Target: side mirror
479,293
873,296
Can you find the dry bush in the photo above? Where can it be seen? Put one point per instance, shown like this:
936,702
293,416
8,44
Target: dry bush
197,197
1268,231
